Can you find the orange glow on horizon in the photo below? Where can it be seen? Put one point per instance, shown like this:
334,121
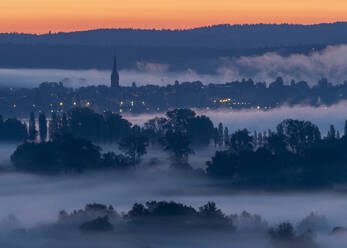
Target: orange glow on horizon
41,16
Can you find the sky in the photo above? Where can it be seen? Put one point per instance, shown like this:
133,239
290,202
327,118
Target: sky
42,16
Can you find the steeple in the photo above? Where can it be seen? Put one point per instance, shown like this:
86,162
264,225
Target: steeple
115,74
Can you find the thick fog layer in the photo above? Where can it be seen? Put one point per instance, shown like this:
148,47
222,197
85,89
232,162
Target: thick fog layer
23,194
330,63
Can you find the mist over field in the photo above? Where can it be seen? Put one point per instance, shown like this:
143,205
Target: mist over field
26,193
329,63
22,192
34,201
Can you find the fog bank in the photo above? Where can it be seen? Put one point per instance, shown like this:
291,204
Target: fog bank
329,63
23,194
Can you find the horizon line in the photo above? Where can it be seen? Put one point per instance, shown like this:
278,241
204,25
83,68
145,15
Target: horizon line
49,32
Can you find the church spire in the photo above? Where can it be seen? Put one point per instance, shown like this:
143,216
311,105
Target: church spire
115,74
115,63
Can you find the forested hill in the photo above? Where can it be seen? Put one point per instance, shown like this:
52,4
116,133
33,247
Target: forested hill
219,36
199,49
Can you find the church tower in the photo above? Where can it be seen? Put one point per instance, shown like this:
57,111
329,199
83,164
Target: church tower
115,74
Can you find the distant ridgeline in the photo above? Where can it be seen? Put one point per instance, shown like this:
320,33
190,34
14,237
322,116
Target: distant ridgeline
246,94
199,49
217,36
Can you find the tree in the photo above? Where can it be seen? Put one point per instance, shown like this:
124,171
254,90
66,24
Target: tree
63,154
255,140
283,232
155,128
135,146
13,130
112,160
200,130
331,133
241,141
220,135
298,135
260,140
276,144
226,136
178,119
43,127
63,125
115,127
85,123
32,127
53,126
178,145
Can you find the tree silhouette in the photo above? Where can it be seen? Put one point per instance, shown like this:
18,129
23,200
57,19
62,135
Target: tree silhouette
331,133
178,145
178,119
283,232
240,141
12,130
32,127
43,127
53,126
298,135
135,146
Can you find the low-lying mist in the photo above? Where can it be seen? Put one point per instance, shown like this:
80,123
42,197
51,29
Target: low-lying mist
33,202
260,121
23,192
329,63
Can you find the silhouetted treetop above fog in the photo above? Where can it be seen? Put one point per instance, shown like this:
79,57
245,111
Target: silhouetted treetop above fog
223,36
295,155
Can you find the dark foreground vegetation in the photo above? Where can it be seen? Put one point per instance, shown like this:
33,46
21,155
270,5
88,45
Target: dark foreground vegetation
295,155
160,221
172,224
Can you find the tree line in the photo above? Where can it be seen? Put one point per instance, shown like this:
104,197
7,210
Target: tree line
176,133
294,155
168,217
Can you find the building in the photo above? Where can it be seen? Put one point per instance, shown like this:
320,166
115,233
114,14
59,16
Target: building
115,74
